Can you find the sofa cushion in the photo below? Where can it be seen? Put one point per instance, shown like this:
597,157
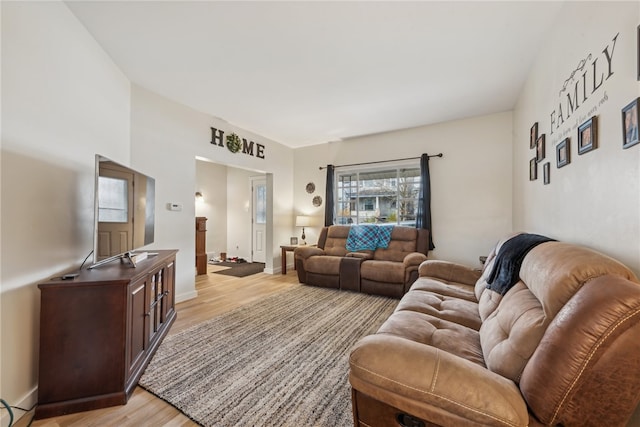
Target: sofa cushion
512,332
555,271
443,307
403,242
383,271
488,299
450,289
328,265
435,332
336,241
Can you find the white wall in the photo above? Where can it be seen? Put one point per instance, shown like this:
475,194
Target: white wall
595,200
211,181
63,101
470,185
166,137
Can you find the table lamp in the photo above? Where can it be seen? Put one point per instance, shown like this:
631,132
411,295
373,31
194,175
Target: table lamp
303,221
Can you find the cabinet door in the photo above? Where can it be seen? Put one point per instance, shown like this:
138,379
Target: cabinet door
168,300
156,291
138,338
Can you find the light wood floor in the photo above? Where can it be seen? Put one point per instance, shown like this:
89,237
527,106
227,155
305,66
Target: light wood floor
216,294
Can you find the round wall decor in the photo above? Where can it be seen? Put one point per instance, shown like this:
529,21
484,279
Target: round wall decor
317,201
311,187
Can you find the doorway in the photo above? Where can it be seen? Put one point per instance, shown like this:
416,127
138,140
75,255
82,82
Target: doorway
229,205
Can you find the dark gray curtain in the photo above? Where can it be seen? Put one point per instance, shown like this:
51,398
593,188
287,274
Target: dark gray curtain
423,217
328,198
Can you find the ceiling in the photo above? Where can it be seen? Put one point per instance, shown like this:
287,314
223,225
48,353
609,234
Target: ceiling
303,73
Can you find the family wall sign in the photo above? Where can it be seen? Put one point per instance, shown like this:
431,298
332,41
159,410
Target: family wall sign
235,144
587,78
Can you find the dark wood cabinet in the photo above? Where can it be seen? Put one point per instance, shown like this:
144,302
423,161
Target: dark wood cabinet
99,331
201,243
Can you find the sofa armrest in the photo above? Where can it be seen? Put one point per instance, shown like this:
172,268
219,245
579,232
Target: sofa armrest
361,255
414,259
449,271
434,385
304,252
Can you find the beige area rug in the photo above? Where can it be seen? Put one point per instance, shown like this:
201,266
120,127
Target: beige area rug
282,361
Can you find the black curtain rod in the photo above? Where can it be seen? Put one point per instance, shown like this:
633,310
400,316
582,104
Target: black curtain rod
380,161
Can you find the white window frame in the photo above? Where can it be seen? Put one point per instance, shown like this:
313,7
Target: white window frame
357,218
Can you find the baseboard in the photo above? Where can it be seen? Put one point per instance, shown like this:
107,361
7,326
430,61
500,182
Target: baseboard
272,270
29,400
186,296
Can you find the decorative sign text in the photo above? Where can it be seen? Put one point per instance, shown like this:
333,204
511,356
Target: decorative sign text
592,78
234,145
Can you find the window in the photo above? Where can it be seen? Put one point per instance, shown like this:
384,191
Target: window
388,195
113,199
261,203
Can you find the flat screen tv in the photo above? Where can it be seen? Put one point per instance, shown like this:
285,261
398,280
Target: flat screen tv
124,211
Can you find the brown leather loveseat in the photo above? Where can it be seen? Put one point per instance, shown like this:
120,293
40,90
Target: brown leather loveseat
560,347
384,271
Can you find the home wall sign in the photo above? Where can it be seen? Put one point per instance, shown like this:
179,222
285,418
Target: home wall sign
584,81
235,144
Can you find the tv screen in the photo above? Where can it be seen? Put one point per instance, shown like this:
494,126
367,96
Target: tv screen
124,210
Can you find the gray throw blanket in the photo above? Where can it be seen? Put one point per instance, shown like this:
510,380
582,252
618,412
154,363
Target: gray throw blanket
506,269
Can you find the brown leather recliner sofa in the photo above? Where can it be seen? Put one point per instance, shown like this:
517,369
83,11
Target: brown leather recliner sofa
561,347
389,271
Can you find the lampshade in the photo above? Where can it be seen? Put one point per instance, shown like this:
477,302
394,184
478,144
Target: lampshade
303,221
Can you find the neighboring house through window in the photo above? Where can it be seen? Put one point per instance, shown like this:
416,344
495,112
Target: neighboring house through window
385,195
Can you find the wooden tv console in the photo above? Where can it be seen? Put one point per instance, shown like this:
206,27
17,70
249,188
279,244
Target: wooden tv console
99,331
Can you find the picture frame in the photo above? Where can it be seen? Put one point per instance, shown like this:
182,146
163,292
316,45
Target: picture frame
546,173
533,169
563,153
540,151
293,241
533,135
587,136
630,120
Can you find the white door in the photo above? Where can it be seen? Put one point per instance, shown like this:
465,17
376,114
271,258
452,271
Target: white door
115,213
258,219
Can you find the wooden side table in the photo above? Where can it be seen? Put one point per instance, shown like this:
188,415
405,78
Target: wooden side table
285,249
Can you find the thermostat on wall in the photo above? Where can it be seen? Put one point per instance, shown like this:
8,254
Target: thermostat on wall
174,206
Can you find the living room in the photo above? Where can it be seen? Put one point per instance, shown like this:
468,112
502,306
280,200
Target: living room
65,100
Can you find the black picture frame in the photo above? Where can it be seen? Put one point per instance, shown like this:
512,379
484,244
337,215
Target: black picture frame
630,120
588,136
546,173
540,150
533,169
533,135
563,153
293,241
